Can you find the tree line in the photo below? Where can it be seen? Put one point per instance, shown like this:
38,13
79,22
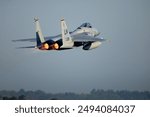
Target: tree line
94,94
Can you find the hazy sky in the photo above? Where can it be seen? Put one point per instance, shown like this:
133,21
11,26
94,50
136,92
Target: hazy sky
122,63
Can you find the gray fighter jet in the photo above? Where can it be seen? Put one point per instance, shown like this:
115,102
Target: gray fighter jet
85,36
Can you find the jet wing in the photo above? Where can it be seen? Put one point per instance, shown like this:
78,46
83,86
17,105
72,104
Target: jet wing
84,38
26,47
22,40
34,39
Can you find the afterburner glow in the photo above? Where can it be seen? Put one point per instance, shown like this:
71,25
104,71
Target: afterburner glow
56,46
46,46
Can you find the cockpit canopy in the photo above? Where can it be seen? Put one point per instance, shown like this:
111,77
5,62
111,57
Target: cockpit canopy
87,25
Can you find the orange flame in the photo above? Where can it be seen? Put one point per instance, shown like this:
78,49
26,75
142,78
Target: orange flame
46,46
56,46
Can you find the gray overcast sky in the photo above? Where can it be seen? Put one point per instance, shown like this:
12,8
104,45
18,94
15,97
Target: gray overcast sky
120,64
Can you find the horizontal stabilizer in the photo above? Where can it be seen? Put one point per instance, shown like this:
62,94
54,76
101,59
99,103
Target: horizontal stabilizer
27,47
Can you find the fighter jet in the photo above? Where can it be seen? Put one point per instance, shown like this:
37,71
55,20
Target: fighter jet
84,36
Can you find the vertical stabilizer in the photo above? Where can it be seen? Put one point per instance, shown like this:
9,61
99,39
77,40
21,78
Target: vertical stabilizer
39,36
66,38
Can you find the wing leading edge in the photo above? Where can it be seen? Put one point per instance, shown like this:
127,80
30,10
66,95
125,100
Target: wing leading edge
86,38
